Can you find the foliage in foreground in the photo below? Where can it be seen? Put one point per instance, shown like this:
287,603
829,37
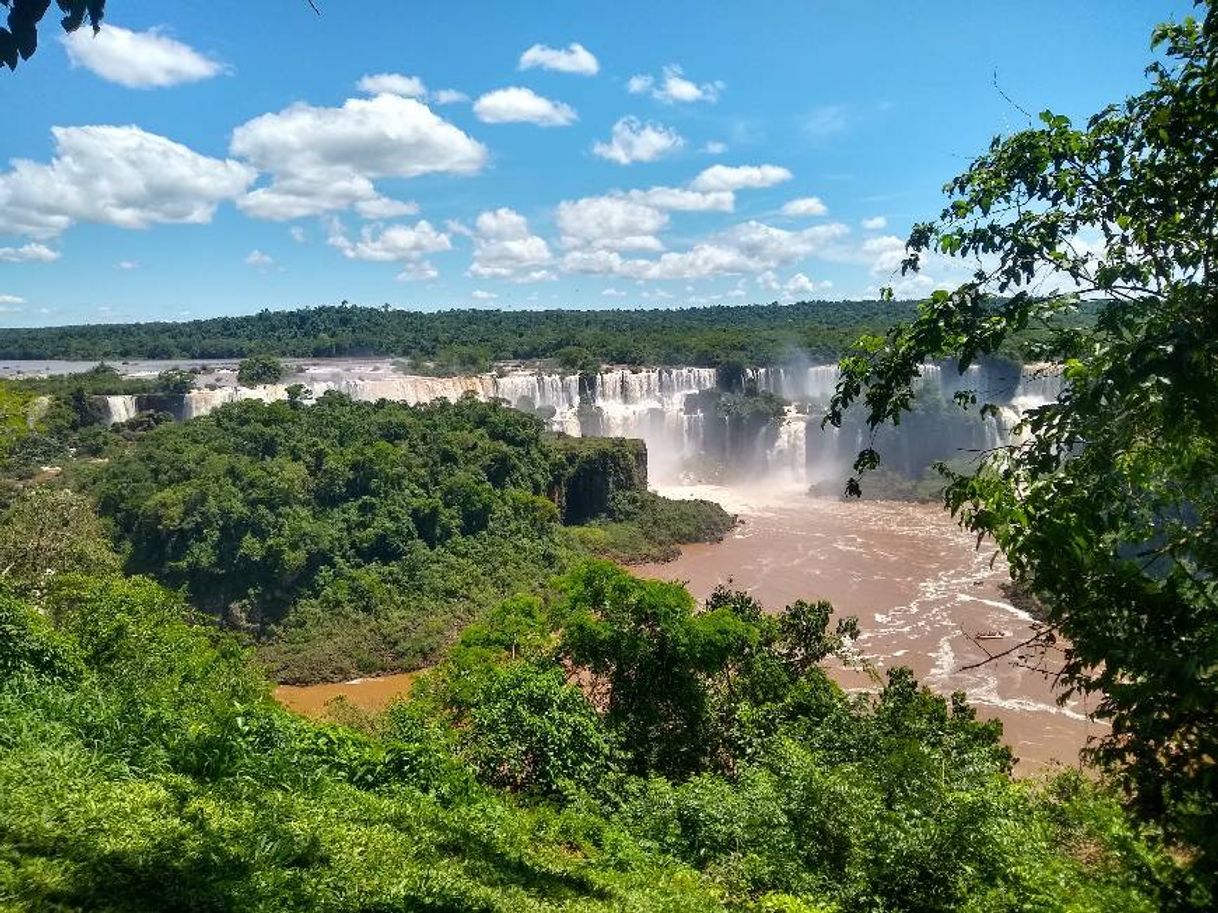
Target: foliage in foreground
143,767
1107,510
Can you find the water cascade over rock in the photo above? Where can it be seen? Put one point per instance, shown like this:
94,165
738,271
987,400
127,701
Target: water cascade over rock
691,426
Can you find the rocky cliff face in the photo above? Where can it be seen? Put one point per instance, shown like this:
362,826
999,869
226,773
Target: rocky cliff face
593,471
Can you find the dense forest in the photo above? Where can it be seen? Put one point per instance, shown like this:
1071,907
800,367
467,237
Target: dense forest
350,538
470,339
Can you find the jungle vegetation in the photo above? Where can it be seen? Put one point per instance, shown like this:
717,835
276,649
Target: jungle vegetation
1107,509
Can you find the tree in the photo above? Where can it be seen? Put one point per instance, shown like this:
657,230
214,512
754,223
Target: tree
176,380
20,39
1104,240
49,531
644,639
260,369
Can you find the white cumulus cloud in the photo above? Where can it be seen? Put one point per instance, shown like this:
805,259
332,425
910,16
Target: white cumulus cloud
386,208
326,159
741,177
574,59
482,295
392,84
257,258
748,249
28,253
391,243
805,206
875,223
885,253
635,141
610,223
518,105
673,87
504,248
685,200
121,176
11,299
138,60
448,97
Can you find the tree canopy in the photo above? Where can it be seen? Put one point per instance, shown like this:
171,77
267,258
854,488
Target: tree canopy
1107,505
20,40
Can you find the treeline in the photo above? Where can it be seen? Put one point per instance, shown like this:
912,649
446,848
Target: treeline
469,339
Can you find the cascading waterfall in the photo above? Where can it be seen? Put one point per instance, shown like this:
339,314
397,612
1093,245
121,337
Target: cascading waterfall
119,408
651,404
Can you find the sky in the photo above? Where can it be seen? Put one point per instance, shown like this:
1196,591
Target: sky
205,158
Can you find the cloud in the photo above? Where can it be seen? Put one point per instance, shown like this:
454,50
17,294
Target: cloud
297,233
726,177
448,97
11,299
386,208
406,243
673,87
610,223
138,60
257,258
875,223
635,141
127,265
417,271
685,200
575,59
885,253
481,295
793,287
805,206
504,248
772,246
750,248
613,293
325,159
392,84
518,105
799,284
714,147
28,253
120,176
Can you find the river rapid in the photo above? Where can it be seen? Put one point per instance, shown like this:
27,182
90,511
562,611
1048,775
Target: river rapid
918,586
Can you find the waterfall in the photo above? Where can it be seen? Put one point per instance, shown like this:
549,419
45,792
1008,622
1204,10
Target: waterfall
790,453
118,409
650,404
1038,384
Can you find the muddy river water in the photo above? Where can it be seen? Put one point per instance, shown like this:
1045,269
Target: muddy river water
915,581
918,586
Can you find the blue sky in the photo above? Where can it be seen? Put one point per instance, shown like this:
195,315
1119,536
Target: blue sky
221,157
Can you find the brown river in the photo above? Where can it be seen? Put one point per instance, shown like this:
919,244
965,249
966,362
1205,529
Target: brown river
918,586
915,581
